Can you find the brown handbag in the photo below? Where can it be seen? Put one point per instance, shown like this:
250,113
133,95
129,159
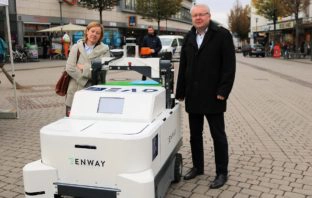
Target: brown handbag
63,82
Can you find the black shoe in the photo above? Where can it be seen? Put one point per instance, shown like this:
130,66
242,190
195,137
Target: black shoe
219,181
193,172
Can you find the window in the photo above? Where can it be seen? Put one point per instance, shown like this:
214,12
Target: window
174,43
130,4
180,41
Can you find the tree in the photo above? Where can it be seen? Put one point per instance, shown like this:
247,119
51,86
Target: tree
99,5
295,7
239,20
158,9
271,10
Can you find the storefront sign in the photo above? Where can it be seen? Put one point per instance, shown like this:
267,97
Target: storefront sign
71,2
80,21
132,21
113,24
285,25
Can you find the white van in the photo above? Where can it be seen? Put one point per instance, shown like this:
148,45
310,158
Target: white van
171,44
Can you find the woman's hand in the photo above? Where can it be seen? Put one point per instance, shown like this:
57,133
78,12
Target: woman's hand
80,66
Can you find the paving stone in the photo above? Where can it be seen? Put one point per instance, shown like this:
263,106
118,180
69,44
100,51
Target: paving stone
251,192
269,185
273,176
227,194
260,188
181,193
241,195
189,187
267,195
277,192
214,192
291,195
201,189
280,181
303,191
253,182
195,195
8,194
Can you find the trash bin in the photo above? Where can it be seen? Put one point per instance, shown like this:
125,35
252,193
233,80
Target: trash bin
277,51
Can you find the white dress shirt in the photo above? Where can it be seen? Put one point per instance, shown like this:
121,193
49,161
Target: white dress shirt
200,37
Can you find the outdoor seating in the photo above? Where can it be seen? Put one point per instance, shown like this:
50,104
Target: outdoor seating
56,54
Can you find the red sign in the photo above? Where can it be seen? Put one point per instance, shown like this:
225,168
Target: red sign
71,2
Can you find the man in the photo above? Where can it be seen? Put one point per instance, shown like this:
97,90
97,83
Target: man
152,41
45,45
205,80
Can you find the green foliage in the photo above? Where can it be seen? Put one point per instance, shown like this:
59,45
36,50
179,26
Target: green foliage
271,9
239,21
295,6
158,9
99,5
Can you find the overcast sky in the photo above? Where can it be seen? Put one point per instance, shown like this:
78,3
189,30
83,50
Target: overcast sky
221,8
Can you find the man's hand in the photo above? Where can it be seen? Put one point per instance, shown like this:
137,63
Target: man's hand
219,97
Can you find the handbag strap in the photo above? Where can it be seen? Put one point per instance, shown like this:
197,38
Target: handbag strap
78,54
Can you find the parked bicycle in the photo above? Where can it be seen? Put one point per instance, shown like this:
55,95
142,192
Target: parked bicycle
19,55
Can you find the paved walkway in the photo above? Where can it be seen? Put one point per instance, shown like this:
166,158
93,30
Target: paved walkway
269,124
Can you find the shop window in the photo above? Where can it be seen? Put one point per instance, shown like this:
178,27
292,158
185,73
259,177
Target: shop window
130,4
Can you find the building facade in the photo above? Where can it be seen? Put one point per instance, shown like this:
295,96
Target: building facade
262,30
29,16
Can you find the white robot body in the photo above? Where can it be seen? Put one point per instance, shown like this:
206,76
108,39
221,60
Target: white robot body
119,142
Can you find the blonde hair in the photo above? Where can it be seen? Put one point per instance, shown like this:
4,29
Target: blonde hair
91,25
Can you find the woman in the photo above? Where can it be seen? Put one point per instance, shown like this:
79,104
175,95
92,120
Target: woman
78,64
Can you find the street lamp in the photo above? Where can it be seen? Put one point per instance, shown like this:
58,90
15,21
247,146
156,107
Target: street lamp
61,2
61,22
274,23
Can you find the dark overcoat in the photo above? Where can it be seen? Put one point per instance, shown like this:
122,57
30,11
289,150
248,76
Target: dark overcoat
206,72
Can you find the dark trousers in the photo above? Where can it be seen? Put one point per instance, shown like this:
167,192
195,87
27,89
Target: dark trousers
217,131
2,58
67,111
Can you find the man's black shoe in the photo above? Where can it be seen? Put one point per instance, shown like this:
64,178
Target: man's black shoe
193,172
219,181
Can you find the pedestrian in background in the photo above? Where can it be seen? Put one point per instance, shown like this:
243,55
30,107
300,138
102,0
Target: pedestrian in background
205,79
152,41
3,49
78,64
45,45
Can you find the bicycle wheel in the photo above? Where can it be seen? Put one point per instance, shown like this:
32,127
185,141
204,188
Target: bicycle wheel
23,57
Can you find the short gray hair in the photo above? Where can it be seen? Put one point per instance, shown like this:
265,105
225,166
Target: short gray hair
200,5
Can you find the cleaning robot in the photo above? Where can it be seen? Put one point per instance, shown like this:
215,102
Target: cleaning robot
120,141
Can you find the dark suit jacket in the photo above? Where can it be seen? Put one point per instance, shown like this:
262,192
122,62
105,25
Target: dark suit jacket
206,72
152,42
